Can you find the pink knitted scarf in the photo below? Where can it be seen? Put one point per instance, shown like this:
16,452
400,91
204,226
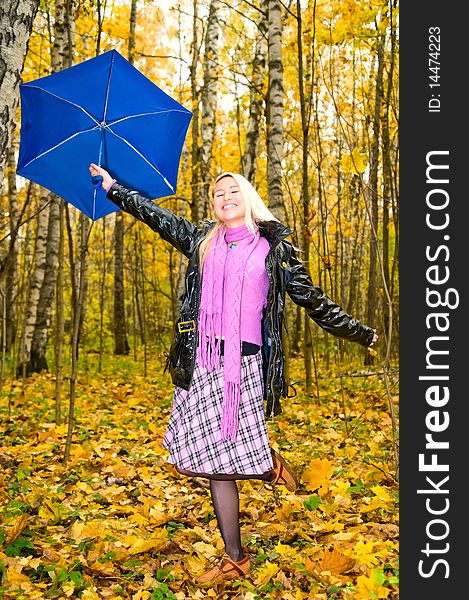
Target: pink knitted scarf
222,290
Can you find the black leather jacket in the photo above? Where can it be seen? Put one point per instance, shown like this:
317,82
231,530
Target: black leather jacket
285,272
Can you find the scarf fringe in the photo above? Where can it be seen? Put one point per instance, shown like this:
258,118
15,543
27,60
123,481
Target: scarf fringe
230,408
209,347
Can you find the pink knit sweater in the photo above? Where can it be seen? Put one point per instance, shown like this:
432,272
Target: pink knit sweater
255,290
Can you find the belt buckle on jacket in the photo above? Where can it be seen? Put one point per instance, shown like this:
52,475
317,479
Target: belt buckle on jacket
191,326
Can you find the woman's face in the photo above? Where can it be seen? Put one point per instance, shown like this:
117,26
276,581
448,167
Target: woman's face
228,202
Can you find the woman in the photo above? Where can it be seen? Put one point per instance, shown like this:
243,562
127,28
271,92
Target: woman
227,356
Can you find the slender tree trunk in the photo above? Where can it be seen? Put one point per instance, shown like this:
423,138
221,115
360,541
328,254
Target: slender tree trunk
143,305
10,272
59,60
60,319
298,331
134,318
43,313
354,250
388,188
305,78
341,245
275,132
77,319
37,279
59,53
209,101
178,274
67,57
173,281
121,345
3,340
71,257
99,29
66,60
138,285
196,191
132,28
373,195
16,22
25,267
102,286
256,97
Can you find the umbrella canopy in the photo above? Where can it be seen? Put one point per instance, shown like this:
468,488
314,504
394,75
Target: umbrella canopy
102,110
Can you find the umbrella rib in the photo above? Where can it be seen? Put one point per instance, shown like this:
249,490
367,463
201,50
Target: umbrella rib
146,114
64,100
59,144
141,156
108,86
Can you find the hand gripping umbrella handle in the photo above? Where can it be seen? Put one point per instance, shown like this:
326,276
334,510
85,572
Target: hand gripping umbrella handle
97,180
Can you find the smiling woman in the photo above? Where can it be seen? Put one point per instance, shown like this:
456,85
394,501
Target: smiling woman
227,360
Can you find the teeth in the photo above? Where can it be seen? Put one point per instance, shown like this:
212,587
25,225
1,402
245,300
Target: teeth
228,206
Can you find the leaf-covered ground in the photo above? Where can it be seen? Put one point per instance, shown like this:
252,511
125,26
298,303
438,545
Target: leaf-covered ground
119,522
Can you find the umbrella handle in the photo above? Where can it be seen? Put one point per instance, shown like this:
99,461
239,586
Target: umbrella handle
97,180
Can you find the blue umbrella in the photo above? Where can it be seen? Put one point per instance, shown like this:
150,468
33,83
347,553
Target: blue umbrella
105,111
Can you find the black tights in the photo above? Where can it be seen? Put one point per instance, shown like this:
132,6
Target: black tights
225,499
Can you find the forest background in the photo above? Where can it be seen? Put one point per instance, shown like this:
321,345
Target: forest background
302,98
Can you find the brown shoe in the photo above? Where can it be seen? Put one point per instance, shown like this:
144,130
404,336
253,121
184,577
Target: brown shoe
227,568
283,474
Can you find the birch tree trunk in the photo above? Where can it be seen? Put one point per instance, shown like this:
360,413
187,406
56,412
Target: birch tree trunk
37,279
10,272
195,162
275,110
209,101
43,314
59,60
59,55
256,97
177,275
16,23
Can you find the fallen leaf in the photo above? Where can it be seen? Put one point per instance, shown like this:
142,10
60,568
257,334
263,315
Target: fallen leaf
266,572
206,550
318,474
18,527
336,562
153,542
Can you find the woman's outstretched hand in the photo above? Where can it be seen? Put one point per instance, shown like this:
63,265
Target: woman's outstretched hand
96,170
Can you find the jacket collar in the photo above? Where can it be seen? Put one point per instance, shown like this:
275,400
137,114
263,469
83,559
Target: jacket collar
274,231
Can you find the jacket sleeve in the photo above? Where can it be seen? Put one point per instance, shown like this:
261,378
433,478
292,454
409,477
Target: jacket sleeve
322,309
176,230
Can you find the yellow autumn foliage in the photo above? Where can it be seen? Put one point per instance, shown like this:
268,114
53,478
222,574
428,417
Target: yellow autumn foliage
354,163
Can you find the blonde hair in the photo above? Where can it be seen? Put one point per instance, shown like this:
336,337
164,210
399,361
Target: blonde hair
256,210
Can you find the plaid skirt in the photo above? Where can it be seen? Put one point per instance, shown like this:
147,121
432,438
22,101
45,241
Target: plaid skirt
193,436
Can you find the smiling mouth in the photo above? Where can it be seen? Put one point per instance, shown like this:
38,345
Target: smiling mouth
228,206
